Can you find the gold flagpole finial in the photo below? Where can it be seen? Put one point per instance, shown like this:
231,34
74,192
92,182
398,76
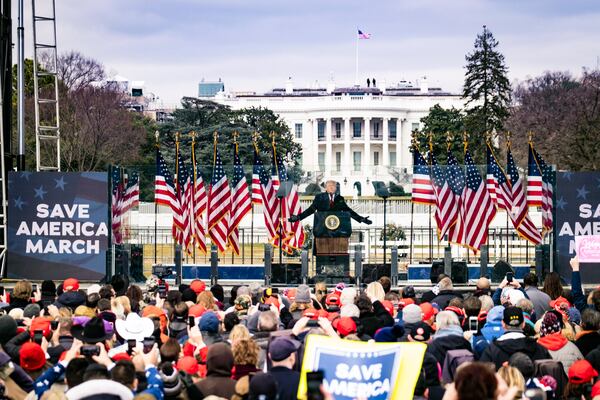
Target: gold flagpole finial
156,136
235,136
176,137
530,136
508,135
465,141
430,141
448,141
215,136
193,135
273,137
255,137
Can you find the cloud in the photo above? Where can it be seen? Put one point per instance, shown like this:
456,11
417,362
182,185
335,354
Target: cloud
256,45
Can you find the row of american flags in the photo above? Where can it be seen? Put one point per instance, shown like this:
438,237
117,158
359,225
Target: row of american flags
125,196
466,203
214,213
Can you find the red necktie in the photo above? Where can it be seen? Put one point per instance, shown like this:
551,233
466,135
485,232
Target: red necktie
330,201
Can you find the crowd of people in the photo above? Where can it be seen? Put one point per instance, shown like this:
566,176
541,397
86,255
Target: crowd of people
152,341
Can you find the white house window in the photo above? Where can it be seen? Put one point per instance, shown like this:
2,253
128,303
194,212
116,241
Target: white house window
392,128
357,129
321,161
338,130
338,161
298,130
376,158
414,127
392,158
357,161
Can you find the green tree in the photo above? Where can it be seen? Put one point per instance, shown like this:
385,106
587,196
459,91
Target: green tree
440,122
486,90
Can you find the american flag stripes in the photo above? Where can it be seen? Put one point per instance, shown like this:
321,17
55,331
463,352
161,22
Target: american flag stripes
519,212
534,180
362,35
456,180
292,232
181,216
422,190
199,200
132,193
117,202
219,204
446,210
164,187
240,201
478,209
268,196
547,190
497,182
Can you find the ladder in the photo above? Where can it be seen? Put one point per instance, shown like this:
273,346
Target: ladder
3,200
47,122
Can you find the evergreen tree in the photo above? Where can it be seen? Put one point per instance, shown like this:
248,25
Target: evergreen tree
487,89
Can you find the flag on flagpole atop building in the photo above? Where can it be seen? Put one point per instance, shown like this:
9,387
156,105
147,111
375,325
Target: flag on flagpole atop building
363,35
240,200
219,203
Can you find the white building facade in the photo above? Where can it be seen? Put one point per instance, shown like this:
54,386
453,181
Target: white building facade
353,135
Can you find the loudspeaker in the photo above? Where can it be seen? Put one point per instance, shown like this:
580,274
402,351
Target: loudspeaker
500,270
372,272
137,263
460,272
437,268
293,276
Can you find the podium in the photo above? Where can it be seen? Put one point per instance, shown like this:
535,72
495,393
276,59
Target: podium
332,234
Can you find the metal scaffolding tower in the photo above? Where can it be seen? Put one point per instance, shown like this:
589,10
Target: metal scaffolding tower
45,69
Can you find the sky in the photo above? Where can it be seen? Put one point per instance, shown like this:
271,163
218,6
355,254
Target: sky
255,45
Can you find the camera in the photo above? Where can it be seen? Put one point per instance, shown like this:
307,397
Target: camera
162,271
90,350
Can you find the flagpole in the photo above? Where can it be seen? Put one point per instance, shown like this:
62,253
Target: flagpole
508,211
412,208
254,137
430,232
156,137
356,64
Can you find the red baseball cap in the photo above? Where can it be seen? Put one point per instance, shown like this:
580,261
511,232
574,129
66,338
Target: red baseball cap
581,372
70,284
121,357
198,286
311,313
389,307
404,302
560,304
596,389
345,326
40,324
428,311
272,301
188,364
196,310
332,299
32,356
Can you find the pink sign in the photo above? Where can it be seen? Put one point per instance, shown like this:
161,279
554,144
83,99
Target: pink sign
588,248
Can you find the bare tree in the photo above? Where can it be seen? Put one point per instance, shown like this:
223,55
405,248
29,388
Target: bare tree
76,71
564,115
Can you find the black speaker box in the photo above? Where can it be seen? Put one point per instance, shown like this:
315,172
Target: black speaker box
289,276
460,272
372,272
437,268
499,271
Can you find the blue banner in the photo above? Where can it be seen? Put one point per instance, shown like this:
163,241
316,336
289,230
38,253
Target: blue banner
577,214
57,225
362,370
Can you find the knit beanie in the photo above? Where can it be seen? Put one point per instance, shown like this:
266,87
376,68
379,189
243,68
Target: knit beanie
302,294
550,324
8,328
171,381
32,311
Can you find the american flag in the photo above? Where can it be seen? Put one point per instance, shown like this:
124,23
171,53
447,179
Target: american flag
181,231
199,204
519,212
240,201
293,232
422,190
498,184
219,205
268,196
132,193
362,35
547,192
188,211
534,180
117,206
456,181
478,209
446,210
164,187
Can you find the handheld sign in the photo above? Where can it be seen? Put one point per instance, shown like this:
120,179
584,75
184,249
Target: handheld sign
352,369
588,248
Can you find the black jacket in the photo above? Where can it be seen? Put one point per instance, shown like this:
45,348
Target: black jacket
287,382
13,346
372,321
588,342
440,346
321,203
17,303
500,351
444,297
